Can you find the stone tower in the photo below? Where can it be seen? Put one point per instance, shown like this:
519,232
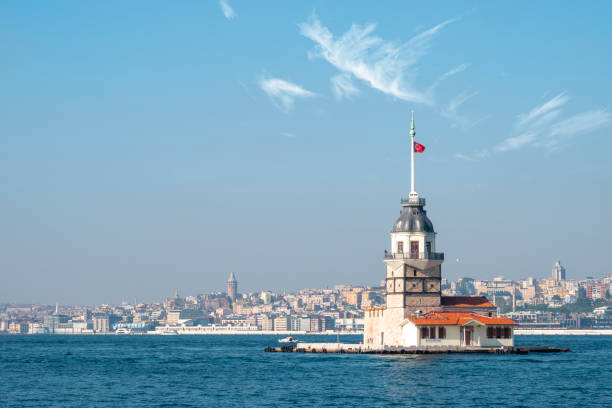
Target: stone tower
232,287
413,265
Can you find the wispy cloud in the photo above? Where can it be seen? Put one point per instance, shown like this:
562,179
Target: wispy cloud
288,134
228,12
383,65
343,87
450,111
540,128
581,123
446,75
283,93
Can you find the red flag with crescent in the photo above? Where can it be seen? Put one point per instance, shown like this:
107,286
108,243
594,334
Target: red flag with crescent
418,148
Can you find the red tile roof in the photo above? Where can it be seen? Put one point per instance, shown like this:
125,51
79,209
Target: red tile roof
466,301
457,319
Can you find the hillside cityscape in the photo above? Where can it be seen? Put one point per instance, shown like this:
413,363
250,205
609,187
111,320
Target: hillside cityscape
548,303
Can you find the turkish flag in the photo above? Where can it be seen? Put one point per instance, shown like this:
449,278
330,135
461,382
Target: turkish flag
418,148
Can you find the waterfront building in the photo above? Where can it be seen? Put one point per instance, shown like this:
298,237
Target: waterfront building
232,287
558,272
174,316
101,324
282,323
469,329
18,328
413,286
55,321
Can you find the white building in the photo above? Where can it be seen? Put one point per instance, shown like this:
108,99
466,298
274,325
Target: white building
457,329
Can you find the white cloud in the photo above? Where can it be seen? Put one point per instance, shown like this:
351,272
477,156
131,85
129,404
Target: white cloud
228,12
516,142
454,71
450,111
540,128
581,123
288,134
343,87
283,93
538,111
383,65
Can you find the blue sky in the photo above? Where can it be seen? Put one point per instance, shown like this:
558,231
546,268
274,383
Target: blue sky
152,145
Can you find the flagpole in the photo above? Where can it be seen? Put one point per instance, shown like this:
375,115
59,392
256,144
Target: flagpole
412,134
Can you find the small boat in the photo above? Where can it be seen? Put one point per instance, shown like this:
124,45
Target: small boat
123,330
289,339
169,333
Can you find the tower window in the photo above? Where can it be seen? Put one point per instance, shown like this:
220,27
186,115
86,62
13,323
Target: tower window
414,249
400,247
428,247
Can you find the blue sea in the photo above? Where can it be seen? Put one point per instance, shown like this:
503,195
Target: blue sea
234,371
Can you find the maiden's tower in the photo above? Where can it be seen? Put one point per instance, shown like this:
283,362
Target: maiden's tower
415,312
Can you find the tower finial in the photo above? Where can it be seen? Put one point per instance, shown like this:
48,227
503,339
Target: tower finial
412,132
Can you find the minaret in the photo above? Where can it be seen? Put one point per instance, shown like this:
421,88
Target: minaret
232,287
413,281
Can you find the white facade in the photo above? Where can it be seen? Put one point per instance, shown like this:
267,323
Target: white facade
471,334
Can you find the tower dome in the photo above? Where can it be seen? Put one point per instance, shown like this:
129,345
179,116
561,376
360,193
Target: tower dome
413,218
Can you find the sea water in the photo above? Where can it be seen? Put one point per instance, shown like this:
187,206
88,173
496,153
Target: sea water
217,370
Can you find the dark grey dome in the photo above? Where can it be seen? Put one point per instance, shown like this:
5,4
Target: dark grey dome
413,219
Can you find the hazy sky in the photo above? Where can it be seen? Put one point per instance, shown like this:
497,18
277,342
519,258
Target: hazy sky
147,146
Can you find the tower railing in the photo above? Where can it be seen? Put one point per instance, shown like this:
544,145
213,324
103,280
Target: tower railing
413,200
431,256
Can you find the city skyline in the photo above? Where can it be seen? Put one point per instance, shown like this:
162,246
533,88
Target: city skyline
142,152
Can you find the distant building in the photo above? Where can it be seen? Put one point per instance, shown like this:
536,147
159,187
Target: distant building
101,324
232,287
18,328
55,321
558,272
596,291
282,323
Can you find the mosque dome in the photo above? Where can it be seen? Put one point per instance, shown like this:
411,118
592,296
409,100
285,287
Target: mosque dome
413,219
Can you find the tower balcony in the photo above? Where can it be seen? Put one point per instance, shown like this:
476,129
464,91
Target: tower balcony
430,256
412,201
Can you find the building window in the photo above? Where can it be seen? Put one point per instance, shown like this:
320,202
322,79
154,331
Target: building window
414,249
507,332
432,332
424,332
415,272
490,332
400,247
428,247
442,332
498,333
